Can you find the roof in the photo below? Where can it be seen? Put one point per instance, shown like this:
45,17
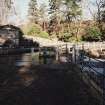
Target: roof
10,27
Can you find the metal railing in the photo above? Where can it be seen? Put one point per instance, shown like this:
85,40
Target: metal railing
92,69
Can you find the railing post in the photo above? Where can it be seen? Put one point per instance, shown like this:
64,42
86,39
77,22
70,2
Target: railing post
32,55
74,54
77,53
100,45
57,53
66,50
104,83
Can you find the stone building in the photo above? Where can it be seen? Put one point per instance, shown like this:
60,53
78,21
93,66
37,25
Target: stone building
10,35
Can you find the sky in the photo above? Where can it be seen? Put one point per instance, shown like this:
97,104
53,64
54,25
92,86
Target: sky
86,11
21,7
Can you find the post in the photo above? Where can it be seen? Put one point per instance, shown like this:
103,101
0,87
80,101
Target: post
88,45
74,54
100,47
94,45
32,55
57,53
82,56
66,50
104,83
77,50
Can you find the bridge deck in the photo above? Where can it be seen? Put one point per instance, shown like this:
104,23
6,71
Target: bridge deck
55,84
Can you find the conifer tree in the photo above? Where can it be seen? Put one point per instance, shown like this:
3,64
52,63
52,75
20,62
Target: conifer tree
54,15
33,11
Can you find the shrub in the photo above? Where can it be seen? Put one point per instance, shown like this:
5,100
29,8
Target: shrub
34,29
74,39
92,34
44,34
70,37
65,37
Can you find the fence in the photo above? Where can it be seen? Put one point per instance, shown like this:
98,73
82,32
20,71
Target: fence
92,69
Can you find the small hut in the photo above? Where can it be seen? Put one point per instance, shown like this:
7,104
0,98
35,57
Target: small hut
12,34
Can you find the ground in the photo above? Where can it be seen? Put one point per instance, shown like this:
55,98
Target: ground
54,84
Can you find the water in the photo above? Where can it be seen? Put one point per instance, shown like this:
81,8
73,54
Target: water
24,59
15,71
22,85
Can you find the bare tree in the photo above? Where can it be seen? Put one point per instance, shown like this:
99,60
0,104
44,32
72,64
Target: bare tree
99,7
98,10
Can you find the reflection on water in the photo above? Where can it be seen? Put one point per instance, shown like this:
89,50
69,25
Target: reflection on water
33,59
15,70
25,59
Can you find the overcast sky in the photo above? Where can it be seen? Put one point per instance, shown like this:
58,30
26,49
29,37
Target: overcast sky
22,8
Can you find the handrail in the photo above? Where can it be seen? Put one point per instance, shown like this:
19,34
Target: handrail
90,64
96,59
95,70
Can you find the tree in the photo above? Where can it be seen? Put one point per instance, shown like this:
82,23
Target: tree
73,15
101,16
100,6
73,10
92,34
33,11
103,19
5,8
69,14
54,13
43,16
54,6
98,15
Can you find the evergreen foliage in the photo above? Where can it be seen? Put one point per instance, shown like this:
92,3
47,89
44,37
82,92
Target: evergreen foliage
33,11
34,30
92,34
63,20
58,16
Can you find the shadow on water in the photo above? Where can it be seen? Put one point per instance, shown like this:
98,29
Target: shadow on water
28,79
